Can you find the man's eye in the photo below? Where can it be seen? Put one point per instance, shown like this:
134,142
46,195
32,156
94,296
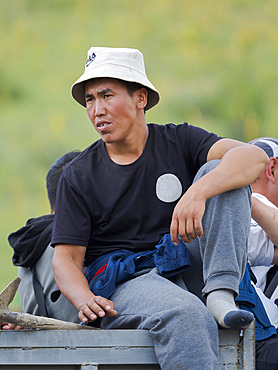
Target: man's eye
107,96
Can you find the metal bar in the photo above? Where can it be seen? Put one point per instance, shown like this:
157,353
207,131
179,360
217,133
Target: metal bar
248,348
88,367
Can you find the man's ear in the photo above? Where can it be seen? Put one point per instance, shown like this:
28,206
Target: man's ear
142,97
271,170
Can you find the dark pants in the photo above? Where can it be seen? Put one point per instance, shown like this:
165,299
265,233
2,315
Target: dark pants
267,354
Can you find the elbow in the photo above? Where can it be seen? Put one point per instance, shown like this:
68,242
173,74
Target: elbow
265,158
262,158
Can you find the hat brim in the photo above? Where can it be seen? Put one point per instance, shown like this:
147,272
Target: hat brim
118,72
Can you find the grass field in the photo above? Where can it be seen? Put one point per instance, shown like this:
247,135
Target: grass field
215,65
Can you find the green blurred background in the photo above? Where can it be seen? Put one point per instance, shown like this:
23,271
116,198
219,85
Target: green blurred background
214,63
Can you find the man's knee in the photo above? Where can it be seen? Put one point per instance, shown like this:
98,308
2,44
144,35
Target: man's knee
207,167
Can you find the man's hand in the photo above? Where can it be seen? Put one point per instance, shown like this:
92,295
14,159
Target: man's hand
187,217
8,326
95,307
67,264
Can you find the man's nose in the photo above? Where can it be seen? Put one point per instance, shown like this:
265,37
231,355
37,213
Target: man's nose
99,107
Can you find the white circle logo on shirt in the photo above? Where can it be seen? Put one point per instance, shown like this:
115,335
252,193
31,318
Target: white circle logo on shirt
168,188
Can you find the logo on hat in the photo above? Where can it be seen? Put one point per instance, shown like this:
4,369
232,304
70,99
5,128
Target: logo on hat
90,59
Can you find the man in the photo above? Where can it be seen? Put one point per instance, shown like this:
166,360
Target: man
262,247
118,202
33,256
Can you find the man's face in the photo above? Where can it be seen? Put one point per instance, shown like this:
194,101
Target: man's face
111,109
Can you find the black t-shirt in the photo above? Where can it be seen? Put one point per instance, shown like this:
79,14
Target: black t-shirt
106,206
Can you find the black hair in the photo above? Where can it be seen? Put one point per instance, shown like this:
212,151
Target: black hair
54,174
131,87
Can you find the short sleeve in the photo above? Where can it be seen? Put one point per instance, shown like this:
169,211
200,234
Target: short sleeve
72,221
196,143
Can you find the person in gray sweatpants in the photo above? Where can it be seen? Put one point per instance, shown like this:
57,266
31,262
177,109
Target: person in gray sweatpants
134,186
181,313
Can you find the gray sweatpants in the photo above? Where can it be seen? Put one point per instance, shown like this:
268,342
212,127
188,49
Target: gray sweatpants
184,332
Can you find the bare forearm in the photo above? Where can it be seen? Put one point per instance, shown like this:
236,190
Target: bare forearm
239,167
267,218
275,258
240,164
67,266
72,282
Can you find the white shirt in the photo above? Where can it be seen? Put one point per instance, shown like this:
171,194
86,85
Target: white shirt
260,257
260,247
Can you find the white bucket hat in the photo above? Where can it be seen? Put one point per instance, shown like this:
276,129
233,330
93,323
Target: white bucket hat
120,63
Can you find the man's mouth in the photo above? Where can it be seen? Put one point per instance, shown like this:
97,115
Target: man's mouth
102,125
